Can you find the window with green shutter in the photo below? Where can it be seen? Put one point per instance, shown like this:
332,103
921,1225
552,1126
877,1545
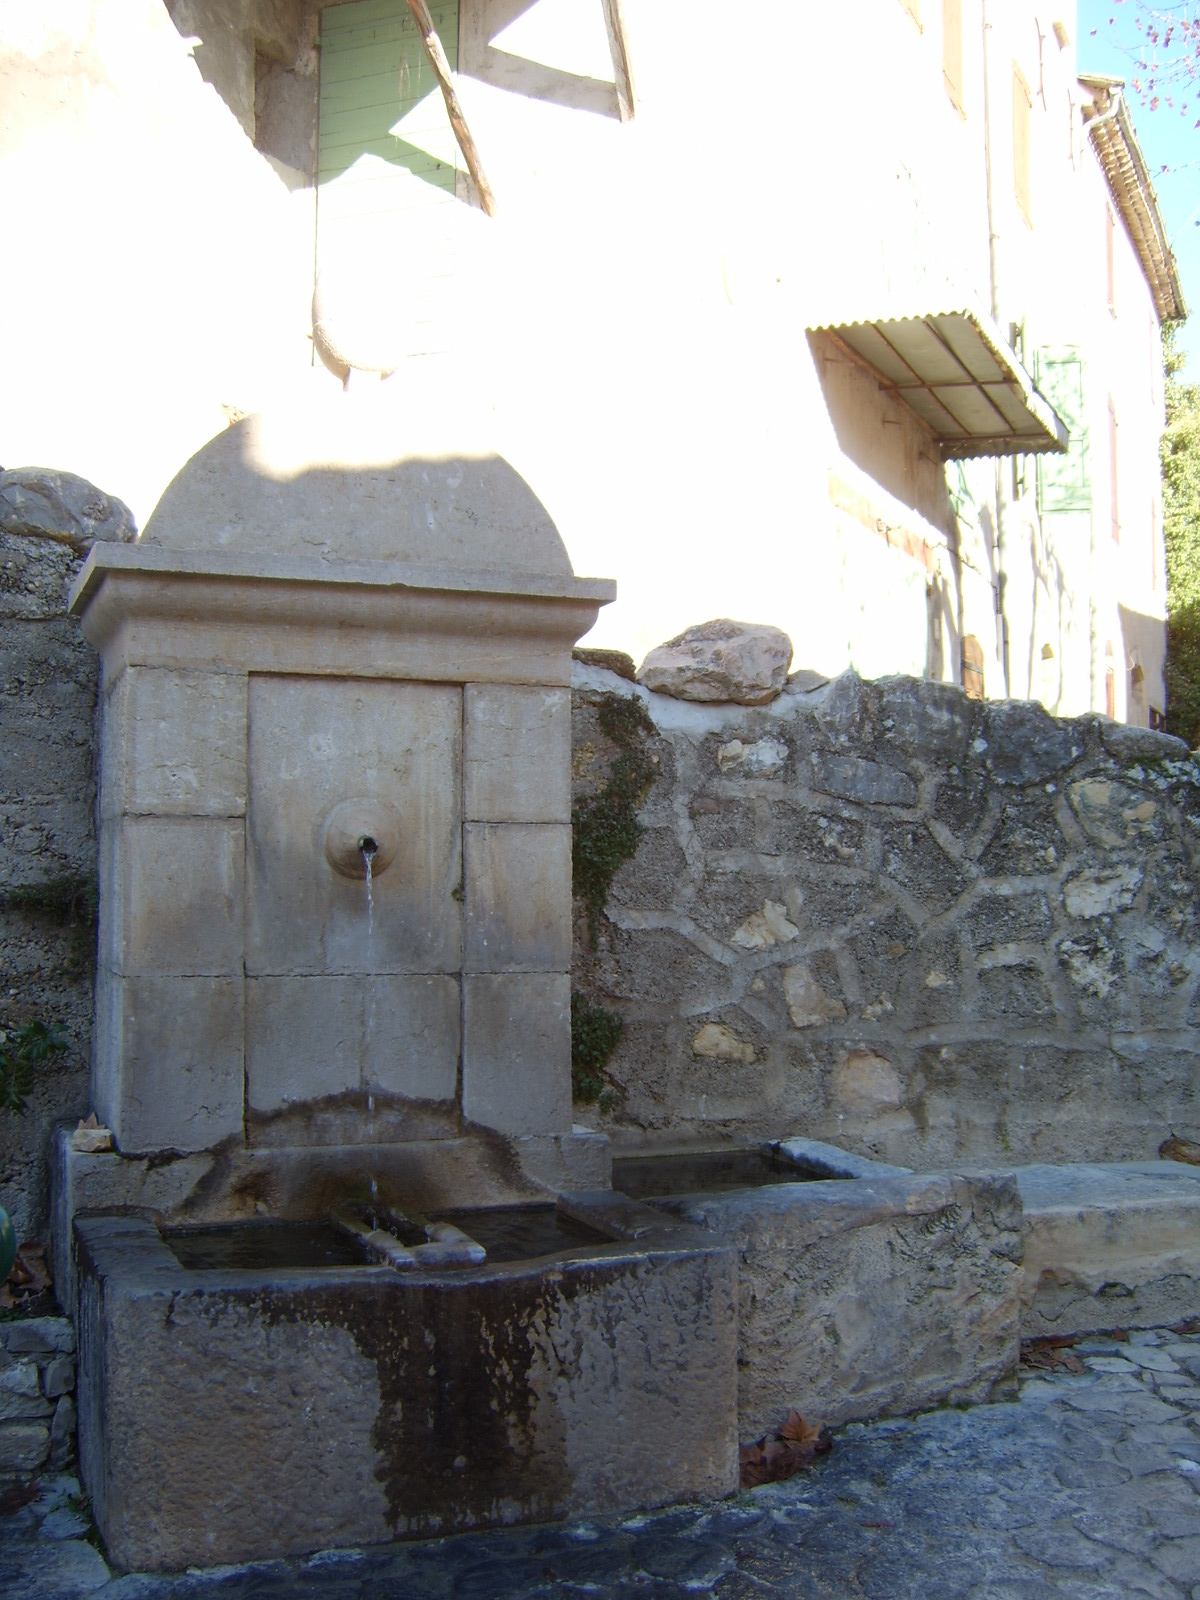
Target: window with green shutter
1064,482
387,156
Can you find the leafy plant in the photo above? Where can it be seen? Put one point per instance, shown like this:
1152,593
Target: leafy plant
1181,526
605,827
595,1034
22,1049
70,902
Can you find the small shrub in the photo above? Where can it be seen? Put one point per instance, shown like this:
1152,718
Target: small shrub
595,1034
22,1049
605,827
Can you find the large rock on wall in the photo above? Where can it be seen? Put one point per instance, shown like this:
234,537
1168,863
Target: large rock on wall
721,661
42,503
925,928
47,851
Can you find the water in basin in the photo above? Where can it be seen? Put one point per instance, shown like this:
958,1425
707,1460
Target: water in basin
704,1172
265,1246
523,1233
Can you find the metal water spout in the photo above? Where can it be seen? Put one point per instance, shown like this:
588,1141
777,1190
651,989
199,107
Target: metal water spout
360,837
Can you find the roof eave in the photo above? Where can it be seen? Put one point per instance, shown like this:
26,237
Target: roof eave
1128,179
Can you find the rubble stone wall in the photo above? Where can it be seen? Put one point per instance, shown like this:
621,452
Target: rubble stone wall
48,678
37,1395
924,928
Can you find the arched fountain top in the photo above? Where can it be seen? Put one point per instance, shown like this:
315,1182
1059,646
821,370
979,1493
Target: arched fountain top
349,478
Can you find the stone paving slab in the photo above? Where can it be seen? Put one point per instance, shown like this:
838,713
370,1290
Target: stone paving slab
1087,1487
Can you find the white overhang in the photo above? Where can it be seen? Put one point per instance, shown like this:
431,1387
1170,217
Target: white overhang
955,372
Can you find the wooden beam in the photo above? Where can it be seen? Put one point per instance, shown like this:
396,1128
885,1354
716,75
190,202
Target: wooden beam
441,71
618,45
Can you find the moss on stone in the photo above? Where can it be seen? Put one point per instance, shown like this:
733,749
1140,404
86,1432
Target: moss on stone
72,902
69,899
595,1034
605,827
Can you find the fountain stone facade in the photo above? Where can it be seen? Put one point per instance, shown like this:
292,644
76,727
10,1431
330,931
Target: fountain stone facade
334,631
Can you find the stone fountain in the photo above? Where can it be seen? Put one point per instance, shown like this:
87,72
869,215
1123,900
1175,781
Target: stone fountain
334,972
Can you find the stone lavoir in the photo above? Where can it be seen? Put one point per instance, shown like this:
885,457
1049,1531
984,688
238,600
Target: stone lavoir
343,643
352,1269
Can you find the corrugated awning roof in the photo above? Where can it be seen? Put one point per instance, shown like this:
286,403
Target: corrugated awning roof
1120,155
954,371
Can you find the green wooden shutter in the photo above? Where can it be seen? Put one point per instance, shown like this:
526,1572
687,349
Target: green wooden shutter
387,156
1064,482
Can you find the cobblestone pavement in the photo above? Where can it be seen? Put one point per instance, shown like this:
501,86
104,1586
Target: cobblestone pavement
1089,1486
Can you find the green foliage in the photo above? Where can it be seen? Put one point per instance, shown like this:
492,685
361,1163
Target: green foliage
71,898
72,902
1181,527
605,827
22,1049
595,1034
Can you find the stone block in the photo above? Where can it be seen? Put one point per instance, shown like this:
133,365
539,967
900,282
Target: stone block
173,890
21,1391
316,744
1114,815
518,897
517,1052
38,1336
516,753
168,1072
311,1038
881,1296
89,1182
1109,1245
868,782
925,718
1025,744
173,744
58,1377
62,1433
24,1446
24,1408
565,1162
1141,744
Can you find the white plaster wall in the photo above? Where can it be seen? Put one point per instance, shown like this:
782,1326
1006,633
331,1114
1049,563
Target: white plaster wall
634,319
154,267
1071,589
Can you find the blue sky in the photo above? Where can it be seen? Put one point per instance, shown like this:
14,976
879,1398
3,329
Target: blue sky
1170,142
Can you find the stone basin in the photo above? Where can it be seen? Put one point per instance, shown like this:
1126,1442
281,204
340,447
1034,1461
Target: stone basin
236,1412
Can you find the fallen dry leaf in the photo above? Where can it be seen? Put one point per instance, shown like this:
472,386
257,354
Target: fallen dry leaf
1174,1149
781,1455
1052,1354
27,1286
796,1429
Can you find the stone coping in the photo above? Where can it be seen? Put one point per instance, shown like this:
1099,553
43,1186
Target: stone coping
234,566
1096,1184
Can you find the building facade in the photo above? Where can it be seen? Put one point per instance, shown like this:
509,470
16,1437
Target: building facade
791,328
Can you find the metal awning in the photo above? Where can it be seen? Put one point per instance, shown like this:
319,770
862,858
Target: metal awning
959,377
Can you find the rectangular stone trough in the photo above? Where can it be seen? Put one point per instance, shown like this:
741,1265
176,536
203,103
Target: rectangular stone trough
231,1413
884,1295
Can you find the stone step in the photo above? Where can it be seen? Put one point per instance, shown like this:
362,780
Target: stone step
1109,1245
